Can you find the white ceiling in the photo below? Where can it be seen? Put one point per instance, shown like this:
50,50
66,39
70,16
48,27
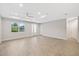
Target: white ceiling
53,11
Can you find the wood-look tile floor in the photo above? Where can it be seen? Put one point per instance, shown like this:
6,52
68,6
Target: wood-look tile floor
39,46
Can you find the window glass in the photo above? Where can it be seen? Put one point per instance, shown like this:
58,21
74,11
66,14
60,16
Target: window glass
21,27
14,27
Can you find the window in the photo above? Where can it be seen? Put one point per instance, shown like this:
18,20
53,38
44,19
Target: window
21,27
14,27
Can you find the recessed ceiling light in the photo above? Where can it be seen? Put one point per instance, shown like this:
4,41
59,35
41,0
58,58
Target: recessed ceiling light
39,13
21,5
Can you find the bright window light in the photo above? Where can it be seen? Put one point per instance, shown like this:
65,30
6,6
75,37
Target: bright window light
34,28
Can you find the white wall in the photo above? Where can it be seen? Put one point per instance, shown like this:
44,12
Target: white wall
0,30
78,28
55,29
6,29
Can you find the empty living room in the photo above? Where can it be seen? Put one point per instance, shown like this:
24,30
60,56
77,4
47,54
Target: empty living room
39,29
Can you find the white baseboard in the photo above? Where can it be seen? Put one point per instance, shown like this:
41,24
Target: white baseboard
59,38
54,37
18,37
